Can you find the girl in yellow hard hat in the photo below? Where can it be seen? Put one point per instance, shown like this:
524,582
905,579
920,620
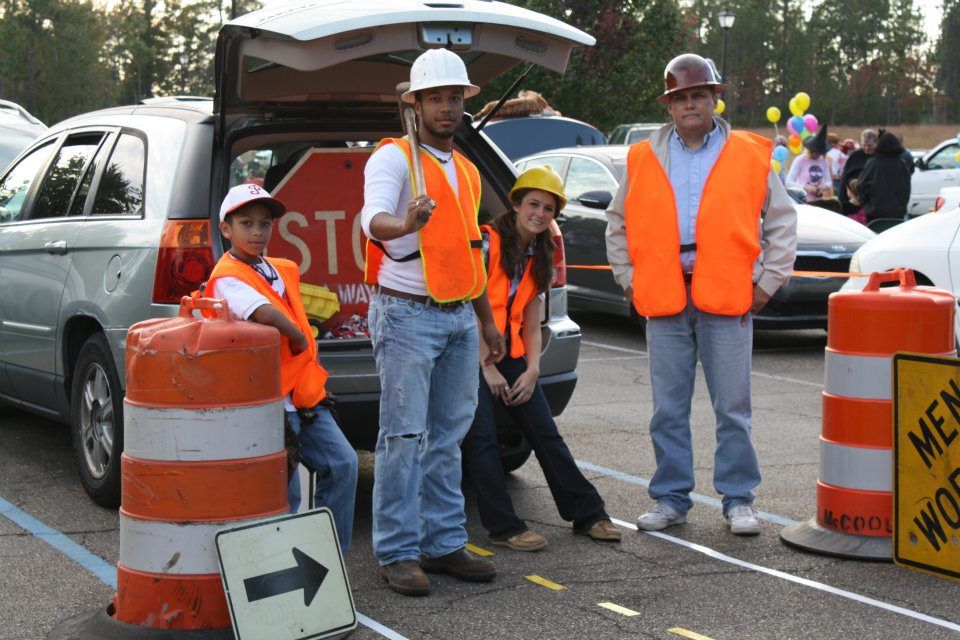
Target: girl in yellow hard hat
518,249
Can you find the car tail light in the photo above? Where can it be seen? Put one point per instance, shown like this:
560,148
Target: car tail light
559,258
185,260
938,204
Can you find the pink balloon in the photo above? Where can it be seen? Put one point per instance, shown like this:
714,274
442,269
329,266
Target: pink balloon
790,126
810,123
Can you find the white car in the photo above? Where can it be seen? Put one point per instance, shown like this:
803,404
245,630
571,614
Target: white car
948,199
934,171
930,245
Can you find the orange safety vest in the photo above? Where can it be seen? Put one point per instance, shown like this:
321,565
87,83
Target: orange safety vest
727,230
498,292
301,374
450,241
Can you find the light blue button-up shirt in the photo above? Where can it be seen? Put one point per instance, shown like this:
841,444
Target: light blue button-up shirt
688,175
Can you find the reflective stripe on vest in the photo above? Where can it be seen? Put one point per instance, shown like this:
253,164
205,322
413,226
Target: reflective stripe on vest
452,261
498,292
300,374
727,230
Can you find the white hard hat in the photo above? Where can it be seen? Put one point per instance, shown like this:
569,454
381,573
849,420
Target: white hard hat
246,193
439,68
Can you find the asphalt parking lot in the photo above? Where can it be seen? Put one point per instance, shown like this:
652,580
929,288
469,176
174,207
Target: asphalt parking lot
692,581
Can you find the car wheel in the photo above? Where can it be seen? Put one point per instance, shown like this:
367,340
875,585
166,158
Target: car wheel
515,460
96,418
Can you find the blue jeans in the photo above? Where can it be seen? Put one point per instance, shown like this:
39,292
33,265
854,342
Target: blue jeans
577,500
325,450
724,344
428,361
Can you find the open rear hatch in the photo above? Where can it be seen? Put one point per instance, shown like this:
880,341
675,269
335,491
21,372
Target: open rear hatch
357,51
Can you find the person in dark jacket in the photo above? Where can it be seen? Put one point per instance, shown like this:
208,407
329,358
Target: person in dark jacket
855,163
884,184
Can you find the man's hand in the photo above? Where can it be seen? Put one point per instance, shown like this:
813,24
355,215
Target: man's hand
494,339
760,299
418,214
298,343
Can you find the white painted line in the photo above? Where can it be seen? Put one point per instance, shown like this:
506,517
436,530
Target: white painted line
386,632
644,354
856,597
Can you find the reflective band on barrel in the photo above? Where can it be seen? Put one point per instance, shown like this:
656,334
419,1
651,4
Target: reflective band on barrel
226,433
865,513
170,601
857,422
161,547
857,376
203,491
856,467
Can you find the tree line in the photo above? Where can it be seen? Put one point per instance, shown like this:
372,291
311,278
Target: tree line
860,61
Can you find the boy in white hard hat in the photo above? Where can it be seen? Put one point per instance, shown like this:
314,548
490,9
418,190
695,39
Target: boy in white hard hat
425,257
267,291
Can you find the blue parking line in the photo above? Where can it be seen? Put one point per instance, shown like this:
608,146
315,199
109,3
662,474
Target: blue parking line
76,552
696,497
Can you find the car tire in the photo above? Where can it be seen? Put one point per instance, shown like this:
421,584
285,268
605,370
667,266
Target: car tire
514,460
96,419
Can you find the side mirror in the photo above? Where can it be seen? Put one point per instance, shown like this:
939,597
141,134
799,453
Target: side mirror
920,164
596,199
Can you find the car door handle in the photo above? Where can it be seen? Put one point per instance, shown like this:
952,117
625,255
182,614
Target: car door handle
58,247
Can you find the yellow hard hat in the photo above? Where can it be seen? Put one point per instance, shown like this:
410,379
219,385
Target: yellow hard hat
544,178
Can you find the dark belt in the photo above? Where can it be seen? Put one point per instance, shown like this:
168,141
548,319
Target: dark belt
427,301
687,277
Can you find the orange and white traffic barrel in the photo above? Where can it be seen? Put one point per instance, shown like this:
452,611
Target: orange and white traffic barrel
855,489
203,450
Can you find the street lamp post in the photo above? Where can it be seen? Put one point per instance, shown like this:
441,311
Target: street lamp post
725,18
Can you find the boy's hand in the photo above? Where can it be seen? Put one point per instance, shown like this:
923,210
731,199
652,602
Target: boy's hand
298,344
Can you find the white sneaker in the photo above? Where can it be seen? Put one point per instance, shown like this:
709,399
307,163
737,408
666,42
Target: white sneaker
660,516
743,520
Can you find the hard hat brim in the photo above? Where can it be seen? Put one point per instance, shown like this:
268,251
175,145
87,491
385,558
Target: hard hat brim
469,90
717,87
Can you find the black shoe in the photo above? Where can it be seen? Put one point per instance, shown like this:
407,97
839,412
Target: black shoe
461,564
406,577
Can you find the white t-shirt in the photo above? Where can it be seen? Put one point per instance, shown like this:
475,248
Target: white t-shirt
837,158
387,189
243,299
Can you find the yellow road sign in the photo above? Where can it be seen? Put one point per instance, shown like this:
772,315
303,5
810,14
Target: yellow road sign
926,451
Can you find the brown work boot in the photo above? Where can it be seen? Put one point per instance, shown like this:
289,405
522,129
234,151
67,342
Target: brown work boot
602,530
462,565
406,577
523,541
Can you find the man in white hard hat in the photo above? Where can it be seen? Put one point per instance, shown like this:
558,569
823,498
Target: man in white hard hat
424,255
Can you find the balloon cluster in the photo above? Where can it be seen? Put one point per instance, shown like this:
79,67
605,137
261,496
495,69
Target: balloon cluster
800,126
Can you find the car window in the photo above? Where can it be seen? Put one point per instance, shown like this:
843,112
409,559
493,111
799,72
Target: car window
552,161
14,187
80,199
639,134
120,191
587,175
945,158
62,180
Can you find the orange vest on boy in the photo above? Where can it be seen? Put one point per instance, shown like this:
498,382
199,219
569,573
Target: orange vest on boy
727,230
300,374
450,241
498,292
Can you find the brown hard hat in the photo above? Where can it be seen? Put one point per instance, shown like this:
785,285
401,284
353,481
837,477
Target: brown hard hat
686,71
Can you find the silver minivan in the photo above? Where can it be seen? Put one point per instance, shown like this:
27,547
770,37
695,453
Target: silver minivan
111,217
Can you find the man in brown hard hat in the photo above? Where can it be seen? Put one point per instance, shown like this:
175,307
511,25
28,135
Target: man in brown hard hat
700,235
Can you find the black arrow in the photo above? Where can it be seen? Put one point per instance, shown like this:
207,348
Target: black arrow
307,575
